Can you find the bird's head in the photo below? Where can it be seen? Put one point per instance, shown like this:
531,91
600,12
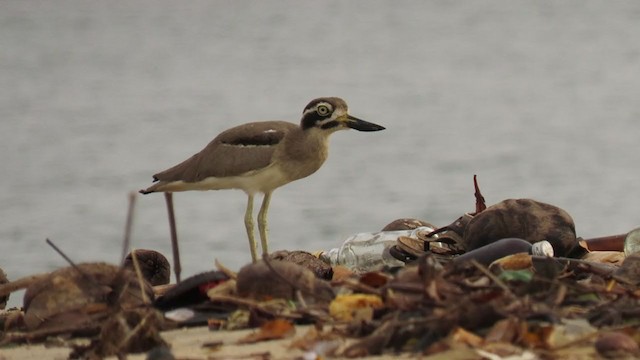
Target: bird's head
331,114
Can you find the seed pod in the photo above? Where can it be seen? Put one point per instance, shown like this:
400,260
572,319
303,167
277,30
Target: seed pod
616,345
526,219
3,299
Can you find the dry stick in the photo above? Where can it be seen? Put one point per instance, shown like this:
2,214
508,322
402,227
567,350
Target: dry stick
136,267
364,288
21,283
126,342
126,241
252,305
174,235
606,243
225,270
480,202
300,299
128,226
84,274
64,256
594,267
490,275
41,334
256,355
591,335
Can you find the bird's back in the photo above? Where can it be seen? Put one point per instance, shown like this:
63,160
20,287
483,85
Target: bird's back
235,152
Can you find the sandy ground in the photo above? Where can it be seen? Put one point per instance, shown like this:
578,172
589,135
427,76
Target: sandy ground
188,344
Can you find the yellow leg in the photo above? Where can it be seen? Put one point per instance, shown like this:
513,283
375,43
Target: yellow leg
262,222
248,223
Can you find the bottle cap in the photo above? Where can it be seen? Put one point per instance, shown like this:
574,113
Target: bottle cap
542,248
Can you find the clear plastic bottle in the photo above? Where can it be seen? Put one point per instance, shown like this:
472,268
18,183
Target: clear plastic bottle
367,251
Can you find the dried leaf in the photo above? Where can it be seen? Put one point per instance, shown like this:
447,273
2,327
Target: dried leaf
505,351
616,344
517,261
305,259
347,307
307,340
480,202
372,344
341,273
374,279
317,341
281,280
463,336
570,331
605,257
505,330
629,272
271,330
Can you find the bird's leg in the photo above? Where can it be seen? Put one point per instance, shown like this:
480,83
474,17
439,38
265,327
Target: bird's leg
248,223
262,222
174,235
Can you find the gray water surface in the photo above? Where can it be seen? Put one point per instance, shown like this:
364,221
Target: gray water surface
539,99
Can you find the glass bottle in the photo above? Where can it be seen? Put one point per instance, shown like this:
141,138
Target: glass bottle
498,249
632,242
368,251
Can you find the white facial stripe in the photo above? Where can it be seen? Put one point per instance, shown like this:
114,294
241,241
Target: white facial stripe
338,113
315,108
320,123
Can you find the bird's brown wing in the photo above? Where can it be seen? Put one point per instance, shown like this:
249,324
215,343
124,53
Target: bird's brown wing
235,151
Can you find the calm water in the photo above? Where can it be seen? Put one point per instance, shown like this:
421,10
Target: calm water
540,99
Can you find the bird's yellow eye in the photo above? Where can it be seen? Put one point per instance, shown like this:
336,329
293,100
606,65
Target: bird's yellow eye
323,110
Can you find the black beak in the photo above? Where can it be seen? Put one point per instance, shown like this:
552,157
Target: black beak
362,125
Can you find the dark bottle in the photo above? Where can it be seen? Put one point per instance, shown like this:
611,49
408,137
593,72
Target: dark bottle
504,247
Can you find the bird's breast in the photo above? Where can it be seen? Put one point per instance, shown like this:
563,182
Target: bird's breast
299,160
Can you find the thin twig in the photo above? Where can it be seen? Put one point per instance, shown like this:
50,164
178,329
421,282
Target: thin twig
480,202
265,355
83,273
64,256
577,341
300,298
128,226
136,267
174,235
21,283
252,305
142,325
87,326
491,276
231,274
